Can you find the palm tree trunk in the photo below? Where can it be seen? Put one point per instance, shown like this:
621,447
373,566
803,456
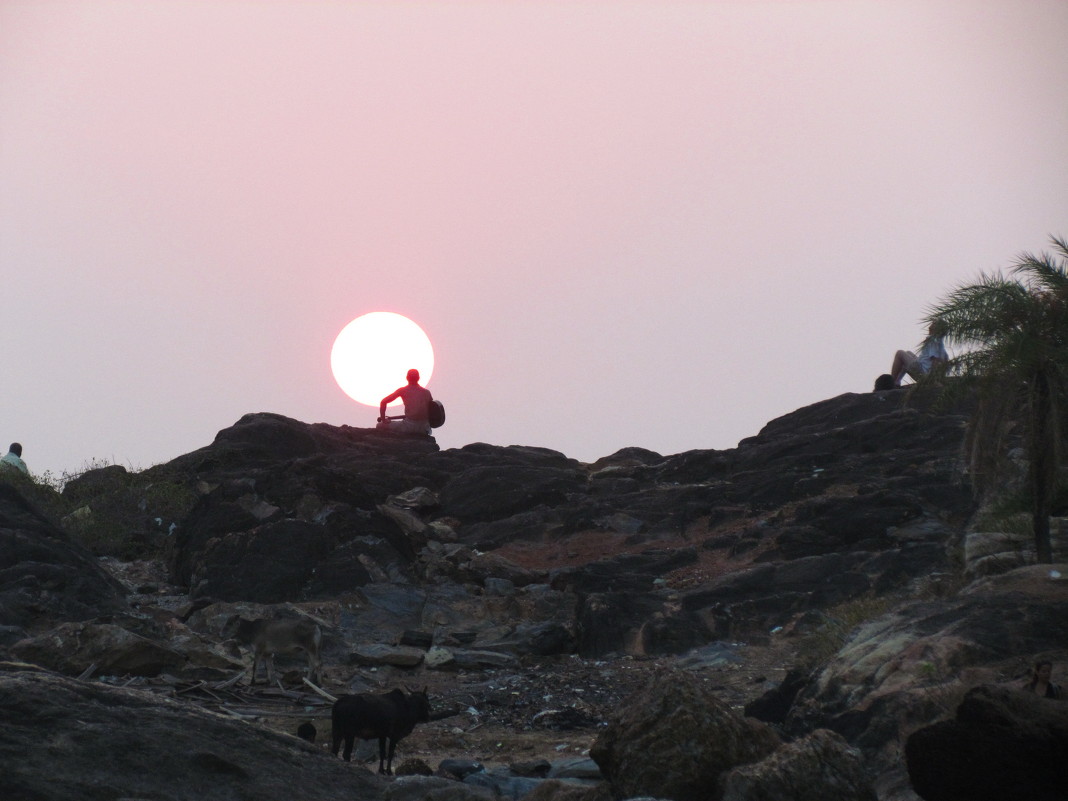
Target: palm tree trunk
1043,464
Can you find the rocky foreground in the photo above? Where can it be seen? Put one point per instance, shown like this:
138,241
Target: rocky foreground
799,617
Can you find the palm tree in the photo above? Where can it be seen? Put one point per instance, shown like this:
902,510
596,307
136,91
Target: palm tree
1014,335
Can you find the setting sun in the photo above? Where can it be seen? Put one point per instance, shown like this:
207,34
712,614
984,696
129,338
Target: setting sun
371,355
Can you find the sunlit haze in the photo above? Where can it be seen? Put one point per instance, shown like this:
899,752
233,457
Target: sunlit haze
372,350
655,224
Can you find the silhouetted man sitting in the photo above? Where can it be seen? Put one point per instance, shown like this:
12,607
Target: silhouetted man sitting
417,401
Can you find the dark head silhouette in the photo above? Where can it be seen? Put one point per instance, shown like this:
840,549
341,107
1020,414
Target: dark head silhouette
16,449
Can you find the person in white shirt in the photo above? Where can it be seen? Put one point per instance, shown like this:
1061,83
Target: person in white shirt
12,460
932,353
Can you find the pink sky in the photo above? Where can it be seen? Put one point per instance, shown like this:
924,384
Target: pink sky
621,223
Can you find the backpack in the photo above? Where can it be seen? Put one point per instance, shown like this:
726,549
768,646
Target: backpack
436,414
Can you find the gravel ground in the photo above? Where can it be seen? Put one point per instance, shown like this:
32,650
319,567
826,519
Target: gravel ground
551,709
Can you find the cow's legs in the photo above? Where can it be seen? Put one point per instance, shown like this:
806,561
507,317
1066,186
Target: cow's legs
389,762
268,660
382,755
255,665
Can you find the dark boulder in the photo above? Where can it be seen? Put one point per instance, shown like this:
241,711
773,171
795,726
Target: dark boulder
1003,743
820,766
92,483
268,436
674,739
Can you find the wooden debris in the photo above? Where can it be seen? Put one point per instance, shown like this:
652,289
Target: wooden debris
230,682
320,690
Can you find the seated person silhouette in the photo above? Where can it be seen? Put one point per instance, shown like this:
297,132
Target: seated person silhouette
417,402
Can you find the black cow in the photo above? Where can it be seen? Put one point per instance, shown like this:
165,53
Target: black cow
390,716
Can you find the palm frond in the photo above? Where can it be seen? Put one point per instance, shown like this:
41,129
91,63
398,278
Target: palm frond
1045,272
980,313
1060,244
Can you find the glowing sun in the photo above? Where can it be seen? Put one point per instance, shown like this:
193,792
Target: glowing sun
373,353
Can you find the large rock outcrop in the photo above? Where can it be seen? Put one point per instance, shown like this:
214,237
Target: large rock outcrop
855,495
909,666
487,558
46,578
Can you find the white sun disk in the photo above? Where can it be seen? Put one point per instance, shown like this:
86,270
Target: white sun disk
373,353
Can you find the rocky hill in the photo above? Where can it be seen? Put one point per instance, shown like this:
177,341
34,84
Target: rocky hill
826,577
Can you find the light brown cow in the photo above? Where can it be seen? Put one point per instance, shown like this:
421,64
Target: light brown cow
269,637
